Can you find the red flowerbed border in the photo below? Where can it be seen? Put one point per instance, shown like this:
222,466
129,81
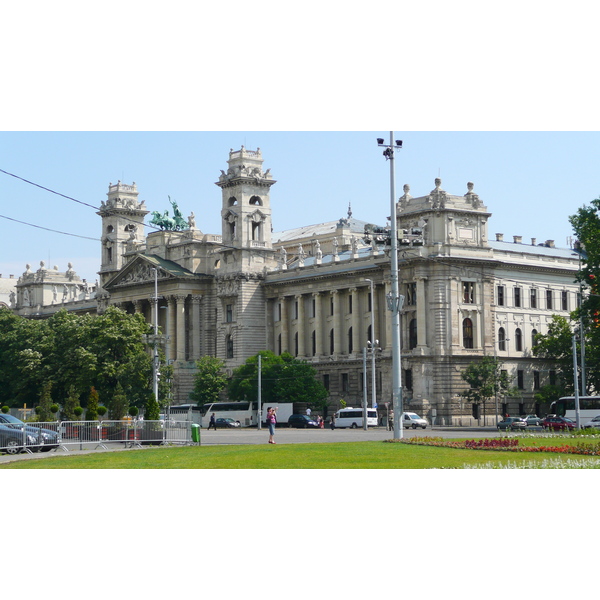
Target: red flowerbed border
502,444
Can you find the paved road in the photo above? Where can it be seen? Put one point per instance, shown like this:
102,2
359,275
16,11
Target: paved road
283,435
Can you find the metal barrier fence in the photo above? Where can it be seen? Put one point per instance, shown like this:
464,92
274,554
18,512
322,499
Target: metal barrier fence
35,437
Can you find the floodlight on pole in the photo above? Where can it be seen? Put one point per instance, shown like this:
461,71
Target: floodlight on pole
395,301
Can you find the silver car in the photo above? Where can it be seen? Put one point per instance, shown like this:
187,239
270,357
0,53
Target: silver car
595,423
410,419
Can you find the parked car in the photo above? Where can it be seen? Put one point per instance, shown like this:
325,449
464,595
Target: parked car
43,439
533,420
557,423
301,421
410,419
512,424
11,440
595,423
227,422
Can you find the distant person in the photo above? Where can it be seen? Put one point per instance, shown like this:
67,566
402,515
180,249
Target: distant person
212,423
308,411
332,422
271,421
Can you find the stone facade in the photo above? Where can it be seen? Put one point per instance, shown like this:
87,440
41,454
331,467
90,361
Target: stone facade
307,291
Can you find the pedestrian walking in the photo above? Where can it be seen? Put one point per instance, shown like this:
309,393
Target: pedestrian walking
332,422
271,422
212,423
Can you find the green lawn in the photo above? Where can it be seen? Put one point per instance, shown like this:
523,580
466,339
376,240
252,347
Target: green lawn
351,455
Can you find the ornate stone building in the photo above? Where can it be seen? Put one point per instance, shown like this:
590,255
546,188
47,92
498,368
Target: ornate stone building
307,291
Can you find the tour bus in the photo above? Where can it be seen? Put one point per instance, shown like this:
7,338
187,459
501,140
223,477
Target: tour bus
589,407
238,411
244,412
353,417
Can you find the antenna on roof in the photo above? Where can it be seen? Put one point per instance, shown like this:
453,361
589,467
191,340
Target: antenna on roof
349,210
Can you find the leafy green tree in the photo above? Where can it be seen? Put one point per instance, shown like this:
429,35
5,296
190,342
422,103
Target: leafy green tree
118,405
43,409
92,405
209,380
556,346
152,412
71,403
283,379
586,225
486,379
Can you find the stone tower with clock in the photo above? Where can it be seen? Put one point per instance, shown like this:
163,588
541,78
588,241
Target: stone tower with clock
246,256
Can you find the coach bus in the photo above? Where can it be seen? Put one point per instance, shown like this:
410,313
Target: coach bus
589,407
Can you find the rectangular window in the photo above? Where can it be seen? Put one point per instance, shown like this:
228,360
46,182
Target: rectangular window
326,381
345,382
521,379
229,313
549,299
517,296
350,304
536,380
565,300
533,297
314,308
296,310
469,292
500,295
331,306
411,294
279,311
552,376
369,302
408,379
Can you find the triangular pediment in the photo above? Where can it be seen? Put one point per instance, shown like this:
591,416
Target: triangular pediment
141,270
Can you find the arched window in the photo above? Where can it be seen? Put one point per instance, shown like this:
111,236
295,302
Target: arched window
255,200
232,201
350,349
412,334
467,333
518,340
501,339
533,340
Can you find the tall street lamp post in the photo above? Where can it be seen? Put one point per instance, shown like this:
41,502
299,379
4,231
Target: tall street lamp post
395,301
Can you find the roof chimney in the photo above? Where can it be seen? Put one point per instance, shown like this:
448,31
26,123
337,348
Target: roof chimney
499,237
533,241
518,239
550,243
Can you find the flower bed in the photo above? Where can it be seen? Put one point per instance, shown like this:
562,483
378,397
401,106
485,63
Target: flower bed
502,444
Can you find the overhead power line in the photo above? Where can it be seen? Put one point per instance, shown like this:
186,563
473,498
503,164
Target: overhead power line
47,229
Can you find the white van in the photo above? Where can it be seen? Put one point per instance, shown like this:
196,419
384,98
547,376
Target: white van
353,417
410,419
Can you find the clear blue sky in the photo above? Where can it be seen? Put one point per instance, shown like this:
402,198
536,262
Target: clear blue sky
530,181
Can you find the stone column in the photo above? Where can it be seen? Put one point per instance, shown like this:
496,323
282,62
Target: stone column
318,324
171,316
137,306
335,322
356,348
285,333
180,299
301,323
195,352
421,313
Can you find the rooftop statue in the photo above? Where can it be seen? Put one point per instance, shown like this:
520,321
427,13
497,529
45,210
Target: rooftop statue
165,222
